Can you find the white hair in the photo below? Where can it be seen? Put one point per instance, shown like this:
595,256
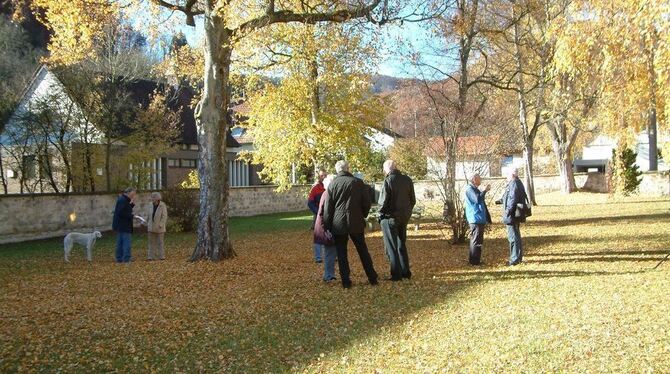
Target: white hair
341,166
156,195
513,172
129,190
389,166
326,182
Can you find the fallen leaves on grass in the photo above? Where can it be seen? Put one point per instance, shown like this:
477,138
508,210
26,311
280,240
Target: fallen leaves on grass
584,300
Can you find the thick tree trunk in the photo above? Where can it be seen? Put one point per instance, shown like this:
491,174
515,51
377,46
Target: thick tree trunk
562,143
213,241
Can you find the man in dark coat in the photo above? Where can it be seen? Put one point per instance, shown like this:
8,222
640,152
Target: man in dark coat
515,193
396,202
344,214
122,223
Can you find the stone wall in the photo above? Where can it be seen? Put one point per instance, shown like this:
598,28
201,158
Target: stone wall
28,217
594,182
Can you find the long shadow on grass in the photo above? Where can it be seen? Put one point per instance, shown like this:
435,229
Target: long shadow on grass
607,220
503,275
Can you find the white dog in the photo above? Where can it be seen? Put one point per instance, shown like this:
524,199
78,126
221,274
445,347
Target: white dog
86,240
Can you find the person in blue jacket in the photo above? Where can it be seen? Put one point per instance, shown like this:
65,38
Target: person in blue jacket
477,215
122,223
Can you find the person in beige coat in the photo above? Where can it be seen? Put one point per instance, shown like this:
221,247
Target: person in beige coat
156,227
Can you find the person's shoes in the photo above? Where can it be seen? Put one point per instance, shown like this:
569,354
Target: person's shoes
346,285
329,279
514,263
407,276
392,279
374,282
149,259
318,261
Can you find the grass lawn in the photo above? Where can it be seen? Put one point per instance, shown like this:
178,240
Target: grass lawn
585,300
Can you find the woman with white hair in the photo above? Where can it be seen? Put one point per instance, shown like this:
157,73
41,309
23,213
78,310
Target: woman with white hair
156,227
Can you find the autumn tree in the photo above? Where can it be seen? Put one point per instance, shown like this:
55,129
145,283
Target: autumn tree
456,95
153,132
632,55
322,107
76,24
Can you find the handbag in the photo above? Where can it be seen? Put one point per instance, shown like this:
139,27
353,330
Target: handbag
524,209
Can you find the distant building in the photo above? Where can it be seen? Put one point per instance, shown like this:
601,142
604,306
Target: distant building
487,156
597,154
166,170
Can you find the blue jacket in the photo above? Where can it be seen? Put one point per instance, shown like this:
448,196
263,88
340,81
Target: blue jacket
476,211
123,215
514,194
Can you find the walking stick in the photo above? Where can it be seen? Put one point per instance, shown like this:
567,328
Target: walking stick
662,261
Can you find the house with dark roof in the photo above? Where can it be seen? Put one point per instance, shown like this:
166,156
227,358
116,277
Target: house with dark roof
165,169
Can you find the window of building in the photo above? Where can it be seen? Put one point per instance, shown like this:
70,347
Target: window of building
11,174
193,147
188,163
99,171
173,162
184,147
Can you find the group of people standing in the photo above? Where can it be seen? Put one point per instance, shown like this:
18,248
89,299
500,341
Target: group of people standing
122,223
341,204
515,206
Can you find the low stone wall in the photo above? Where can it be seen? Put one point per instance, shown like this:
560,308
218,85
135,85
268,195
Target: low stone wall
28,217
655,184
595,182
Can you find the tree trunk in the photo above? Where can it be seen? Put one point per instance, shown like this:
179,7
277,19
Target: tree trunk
108,151
528,138
2,173
562,144
213,241
653,142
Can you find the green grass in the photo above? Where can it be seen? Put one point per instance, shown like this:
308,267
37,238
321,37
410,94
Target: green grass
586,299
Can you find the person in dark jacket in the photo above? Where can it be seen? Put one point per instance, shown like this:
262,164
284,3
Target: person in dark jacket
344,214
313,200
515,193
325,238
122,223
396,202
477,215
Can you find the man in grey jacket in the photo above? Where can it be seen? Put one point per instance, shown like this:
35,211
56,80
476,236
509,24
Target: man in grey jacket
344,214
515,193
396,202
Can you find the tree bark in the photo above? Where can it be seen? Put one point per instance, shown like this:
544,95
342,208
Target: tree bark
653,141
213,241
2,173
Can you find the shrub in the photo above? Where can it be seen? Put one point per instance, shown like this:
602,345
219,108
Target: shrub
626,174
184,207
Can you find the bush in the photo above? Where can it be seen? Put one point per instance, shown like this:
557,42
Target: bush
184,206
626,175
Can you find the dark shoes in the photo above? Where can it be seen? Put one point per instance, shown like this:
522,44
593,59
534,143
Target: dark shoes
514,263
318,261
374,282
392,279
346,285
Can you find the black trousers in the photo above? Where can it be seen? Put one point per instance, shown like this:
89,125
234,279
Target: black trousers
341,242
395,238
476,241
